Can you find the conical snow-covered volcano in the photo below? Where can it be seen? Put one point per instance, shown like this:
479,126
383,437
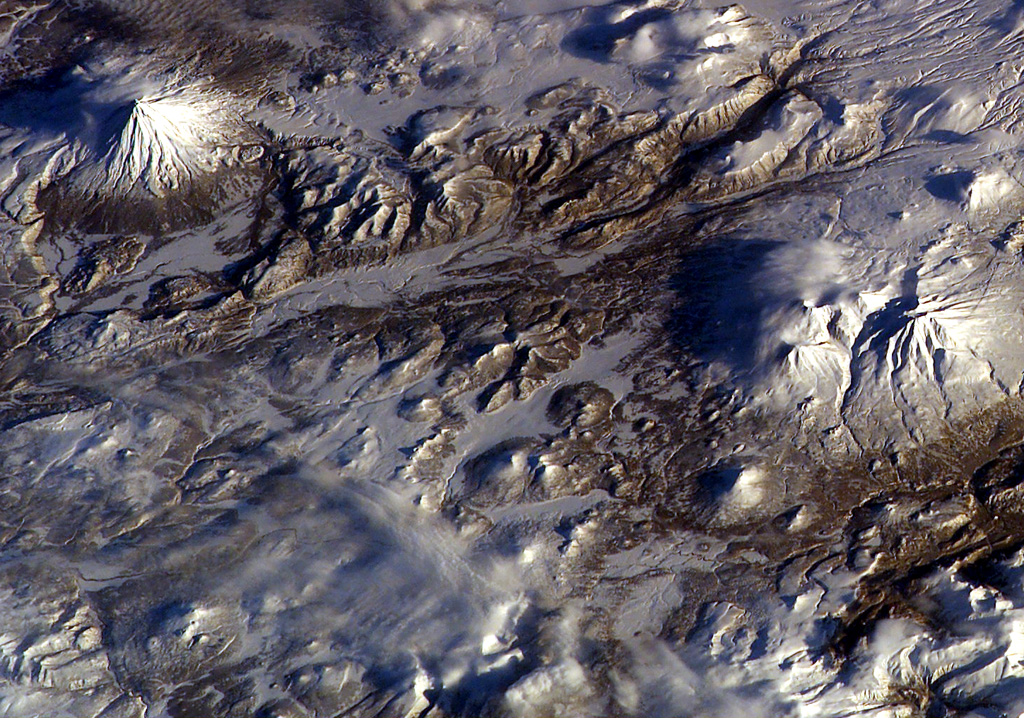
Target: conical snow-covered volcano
164,144
120,137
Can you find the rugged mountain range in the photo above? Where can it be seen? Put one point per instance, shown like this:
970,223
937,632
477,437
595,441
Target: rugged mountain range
543,358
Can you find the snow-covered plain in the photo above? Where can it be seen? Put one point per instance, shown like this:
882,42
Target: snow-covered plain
537,358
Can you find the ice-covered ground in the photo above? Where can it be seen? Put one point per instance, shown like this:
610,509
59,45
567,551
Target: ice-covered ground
539,358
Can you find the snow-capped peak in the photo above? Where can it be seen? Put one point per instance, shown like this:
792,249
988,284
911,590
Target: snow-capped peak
164,143
117,132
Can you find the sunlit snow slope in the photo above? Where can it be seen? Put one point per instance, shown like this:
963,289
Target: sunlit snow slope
539,358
